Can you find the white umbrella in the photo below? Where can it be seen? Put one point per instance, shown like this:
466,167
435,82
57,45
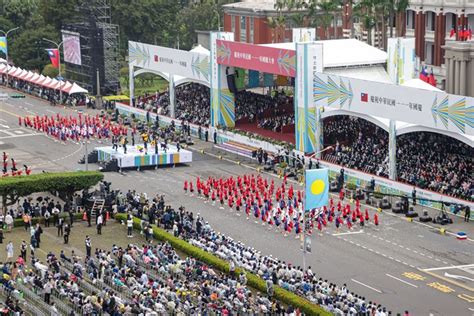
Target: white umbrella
3,61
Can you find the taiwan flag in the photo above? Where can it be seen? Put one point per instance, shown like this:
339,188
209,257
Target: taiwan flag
53,54
364,97
423,74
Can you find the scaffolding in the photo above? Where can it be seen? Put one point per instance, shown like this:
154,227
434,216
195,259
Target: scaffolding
99,48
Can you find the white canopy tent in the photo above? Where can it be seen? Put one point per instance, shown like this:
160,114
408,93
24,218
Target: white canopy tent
75,88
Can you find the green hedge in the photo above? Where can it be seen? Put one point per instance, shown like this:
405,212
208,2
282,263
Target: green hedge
66,183
253,280
19,221
45,182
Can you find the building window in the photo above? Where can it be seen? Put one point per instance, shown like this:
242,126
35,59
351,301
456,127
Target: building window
430,21
251,27
232,23
450,22
410,19
243,29
429,53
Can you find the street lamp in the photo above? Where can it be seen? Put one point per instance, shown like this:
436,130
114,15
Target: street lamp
6,40
58,45
304,201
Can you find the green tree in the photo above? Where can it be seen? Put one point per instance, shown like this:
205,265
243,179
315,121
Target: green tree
67,183
58,12
50,71
18,12
23,50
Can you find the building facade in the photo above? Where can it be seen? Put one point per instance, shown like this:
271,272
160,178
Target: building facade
439,26
248,20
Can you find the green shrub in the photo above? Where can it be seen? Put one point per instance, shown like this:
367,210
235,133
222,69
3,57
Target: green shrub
378,195
351,186
18,222
13,188
252,280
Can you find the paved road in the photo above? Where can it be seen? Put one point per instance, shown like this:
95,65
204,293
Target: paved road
399,264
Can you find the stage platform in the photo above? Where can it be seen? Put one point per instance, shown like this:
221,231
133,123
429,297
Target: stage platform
136,157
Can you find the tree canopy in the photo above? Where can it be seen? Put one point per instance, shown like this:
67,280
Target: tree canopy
159,22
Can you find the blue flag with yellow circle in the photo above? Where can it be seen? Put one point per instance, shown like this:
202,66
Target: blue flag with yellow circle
317,188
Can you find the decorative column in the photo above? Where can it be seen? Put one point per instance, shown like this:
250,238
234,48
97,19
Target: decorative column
222,100
462,78
172,95
309,62
392,150
450,80
456,77
131,84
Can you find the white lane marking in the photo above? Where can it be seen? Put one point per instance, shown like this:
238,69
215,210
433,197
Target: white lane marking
367,286
19,132
47,110
31,112
30,104
471,309
403,281
4,126
450,267
348,233
16,136
2,120
454,276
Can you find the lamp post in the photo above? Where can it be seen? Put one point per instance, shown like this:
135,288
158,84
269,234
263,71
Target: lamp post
58,45
6,40
304,201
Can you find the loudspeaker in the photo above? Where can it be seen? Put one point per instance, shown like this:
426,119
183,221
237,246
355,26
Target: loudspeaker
231,84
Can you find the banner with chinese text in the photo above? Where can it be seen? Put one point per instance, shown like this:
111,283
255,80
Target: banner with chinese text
432,109
249,56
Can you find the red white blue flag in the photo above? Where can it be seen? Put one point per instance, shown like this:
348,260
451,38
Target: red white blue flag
53,54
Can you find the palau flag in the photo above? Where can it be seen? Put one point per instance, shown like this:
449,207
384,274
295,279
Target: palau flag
3,44
317,188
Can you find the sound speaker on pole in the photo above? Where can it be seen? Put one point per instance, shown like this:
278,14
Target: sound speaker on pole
231,83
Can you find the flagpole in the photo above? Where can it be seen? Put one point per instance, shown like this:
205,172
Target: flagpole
303,229
58,45
6,42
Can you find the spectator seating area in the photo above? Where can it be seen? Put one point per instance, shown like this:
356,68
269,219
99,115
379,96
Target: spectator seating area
336,299
428,160
436,162
358,144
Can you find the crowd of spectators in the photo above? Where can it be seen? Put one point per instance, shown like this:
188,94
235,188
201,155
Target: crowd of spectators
427,160
53,96
197,231
357,143
436,162
256,106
